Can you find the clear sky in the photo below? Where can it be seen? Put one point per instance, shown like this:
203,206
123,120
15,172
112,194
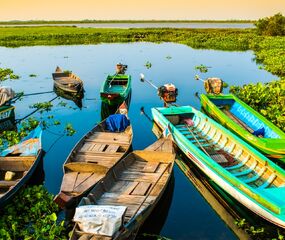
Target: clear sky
138,9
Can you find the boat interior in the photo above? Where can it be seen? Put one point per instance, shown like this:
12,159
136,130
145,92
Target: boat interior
226,151
101,147
136,182
244,118
12,169
113,81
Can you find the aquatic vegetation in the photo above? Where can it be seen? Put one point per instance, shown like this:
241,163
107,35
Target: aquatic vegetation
261,232
202,68
271,26
13,137
69,129
42,106
38,218
7,73
268,99
148,65
32,75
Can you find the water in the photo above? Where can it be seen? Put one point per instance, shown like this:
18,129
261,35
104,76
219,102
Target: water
145,25
187,215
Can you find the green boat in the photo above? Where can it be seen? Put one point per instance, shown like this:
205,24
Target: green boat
235,166
6,112
244,121
116,89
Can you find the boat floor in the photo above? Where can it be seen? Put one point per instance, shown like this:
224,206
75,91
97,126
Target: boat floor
101,148
232,158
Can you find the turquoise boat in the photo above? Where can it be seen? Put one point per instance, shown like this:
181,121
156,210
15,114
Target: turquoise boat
116,89
247,123
235,166
18,164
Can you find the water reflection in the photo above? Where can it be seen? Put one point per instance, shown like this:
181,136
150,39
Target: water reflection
76,98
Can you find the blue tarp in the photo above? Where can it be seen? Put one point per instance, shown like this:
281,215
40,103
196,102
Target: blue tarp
117,123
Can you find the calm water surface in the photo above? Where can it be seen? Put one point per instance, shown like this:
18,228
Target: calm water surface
146,25
187,215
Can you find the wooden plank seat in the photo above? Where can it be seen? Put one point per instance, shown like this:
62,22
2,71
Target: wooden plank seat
123,199
5,184
151,167
247,171
239,165
255,177
141,189
268,181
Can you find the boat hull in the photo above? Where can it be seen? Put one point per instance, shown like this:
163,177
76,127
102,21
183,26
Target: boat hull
6,112
268,146
237,191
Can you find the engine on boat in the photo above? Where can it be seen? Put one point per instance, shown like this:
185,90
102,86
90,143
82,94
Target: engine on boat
213,85
121,68
168,92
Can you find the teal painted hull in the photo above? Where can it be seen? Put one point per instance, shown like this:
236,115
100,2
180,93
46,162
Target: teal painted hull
116,89
6,112
236,167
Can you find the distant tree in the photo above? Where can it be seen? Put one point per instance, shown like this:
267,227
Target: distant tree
271,26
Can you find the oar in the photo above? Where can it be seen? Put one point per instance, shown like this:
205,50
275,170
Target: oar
19,95
199,79
19,120
112,79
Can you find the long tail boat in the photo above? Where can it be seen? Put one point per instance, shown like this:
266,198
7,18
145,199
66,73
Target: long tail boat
235,166
91,158
67,81
116,88
18,164
137,183
247,123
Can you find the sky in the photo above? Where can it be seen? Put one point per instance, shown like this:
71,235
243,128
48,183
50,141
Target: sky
139,9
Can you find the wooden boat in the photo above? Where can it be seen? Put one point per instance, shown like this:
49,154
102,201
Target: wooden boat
18,164
236,167
116,89
6,112
246,123
67,81
137,182
90,160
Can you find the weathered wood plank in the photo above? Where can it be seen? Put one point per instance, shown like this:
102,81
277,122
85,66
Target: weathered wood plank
151,167
124,187
68,181
5,184
86,147
93,179
141,189
82,177
112,148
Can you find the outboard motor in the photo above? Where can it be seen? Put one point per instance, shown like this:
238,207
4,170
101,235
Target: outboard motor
121,68
168,93
213,85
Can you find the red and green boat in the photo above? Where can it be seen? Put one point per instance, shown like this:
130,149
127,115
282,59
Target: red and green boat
116,89
247,123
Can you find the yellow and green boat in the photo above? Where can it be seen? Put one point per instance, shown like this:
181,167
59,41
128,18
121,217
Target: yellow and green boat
247,123
235,166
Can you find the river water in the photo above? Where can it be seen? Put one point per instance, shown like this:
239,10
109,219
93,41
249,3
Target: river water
144,25
186,214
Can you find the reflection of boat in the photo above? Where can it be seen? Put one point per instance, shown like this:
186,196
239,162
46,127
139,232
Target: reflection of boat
240,170
116,89
227,210
247,123
76,98
92,157
18,163
136,185
8,125
67,81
